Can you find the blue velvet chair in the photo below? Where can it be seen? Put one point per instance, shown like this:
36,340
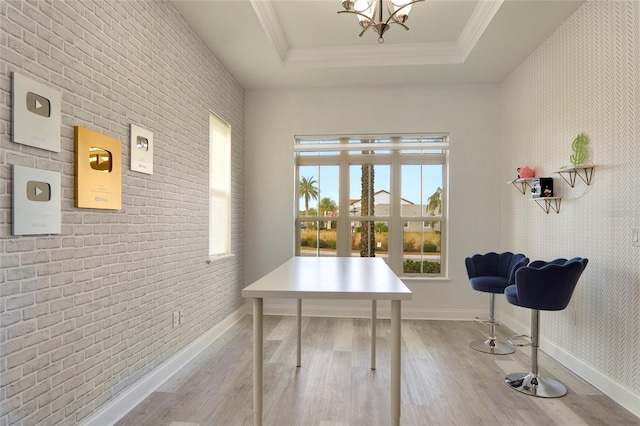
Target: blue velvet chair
542,286
492,273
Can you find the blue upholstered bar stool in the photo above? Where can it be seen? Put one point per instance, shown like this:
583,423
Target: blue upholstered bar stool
542,286
492,273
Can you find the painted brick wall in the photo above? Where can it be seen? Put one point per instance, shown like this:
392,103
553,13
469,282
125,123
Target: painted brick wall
585,78
86,313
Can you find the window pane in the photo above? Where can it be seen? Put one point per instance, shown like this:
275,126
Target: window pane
421,247
219,186
369,239
318,190
421,190
318,239
432,189
370,190
317,142
411,202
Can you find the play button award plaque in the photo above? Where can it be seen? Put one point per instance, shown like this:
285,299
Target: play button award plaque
35,114
98,170
36,201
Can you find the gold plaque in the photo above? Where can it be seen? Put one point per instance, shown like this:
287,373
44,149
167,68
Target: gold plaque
98,172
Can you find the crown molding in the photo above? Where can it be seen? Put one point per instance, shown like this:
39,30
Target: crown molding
271,26
380,55
478,22
365,56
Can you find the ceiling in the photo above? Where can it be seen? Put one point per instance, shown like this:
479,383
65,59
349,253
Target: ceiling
306,43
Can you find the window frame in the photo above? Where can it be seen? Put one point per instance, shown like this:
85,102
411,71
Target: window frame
396,154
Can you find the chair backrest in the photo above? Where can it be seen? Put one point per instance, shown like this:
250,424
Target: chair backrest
496,265
548,286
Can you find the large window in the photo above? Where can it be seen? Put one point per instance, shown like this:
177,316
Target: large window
377,196
219,187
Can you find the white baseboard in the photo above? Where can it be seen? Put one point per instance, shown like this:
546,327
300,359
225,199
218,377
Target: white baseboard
116,409
616,391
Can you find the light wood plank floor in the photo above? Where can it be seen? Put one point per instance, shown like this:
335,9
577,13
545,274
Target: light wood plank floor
444,381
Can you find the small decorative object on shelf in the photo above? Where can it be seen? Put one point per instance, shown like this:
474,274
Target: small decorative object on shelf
525,172
549,203
542,187
579,149
523,181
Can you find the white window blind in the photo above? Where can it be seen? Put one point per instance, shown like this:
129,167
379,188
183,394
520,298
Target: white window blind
219,186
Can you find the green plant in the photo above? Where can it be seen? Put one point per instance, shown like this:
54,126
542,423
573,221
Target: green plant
429,248
416,267
381,227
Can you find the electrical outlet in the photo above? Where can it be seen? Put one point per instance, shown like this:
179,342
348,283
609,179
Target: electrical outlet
181,317
635,237
176,319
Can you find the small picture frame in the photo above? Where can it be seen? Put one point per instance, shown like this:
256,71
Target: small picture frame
141,150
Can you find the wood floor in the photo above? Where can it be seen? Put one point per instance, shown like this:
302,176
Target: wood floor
444,382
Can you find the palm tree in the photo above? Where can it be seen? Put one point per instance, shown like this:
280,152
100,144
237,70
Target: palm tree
308,190
327,205
434,205
367,208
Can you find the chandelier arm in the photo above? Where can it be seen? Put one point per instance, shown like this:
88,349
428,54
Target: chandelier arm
396,12
402,25
353,12
365,30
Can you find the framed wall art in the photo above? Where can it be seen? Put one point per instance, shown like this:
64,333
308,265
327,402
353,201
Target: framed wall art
141,150
35,114
36,201
98,170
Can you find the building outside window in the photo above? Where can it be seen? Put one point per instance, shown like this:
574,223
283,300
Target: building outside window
380,195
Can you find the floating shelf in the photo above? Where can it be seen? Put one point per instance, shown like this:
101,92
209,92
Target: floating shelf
568,174
522,184
550,203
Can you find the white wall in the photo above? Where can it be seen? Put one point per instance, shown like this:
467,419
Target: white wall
584,78
470,113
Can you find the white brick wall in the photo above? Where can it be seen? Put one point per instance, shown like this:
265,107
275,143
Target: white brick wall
86,313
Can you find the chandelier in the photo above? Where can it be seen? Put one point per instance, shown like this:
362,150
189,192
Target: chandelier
370,13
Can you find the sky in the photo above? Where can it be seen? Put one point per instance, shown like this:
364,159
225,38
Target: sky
411,184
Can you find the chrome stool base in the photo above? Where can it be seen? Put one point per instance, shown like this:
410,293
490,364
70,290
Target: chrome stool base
494,347
530,384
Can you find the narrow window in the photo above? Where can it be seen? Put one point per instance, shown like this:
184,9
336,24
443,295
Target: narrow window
219,186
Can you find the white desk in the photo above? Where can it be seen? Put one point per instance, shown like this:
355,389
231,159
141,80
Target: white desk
329,278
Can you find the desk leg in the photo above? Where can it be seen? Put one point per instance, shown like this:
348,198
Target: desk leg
257,361
299,349
374,315
395,362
